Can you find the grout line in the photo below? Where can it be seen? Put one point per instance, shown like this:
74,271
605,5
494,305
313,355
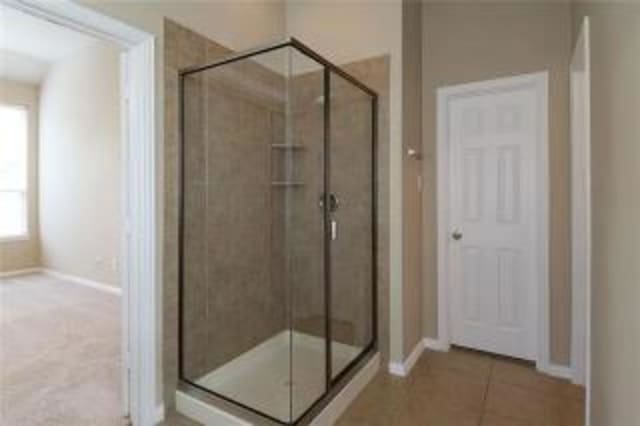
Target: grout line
486,393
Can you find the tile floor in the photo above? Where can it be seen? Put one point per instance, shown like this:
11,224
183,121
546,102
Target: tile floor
467,388
59,354
462,388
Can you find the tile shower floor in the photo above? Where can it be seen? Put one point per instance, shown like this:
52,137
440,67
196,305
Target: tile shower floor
59,354
282,376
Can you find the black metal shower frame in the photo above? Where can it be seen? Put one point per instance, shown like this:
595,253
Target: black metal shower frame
332,384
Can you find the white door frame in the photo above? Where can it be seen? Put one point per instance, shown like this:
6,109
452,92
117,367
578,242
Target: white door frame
538,81
581,244
140,276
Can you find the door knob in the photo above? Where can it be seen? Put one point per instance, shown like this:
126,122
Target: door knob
457,235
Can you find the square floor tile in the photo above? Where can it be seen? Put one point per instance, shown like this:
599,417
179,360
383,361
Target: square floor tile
463,360
514,372
452,389
522,403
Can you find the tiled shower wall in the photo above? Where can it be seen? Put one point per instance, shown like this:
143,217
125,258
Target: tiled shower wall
236,232
234,294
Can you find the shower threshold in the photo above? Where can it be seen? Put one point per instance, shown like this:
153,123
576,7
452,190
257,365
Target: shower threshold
281,377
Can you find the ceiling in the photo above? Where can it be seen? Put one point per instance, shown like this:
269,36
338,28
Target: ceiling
28,45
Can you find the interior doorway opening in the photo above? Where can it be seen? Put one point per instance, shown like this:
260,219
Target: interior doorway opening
137,269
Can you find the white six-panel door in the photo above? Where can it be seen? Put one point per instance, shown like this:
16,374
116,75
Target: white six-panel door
492,131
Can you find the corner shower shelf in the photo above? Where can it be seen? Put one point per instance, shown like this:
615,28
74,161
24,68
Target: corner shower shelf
285,183
287,146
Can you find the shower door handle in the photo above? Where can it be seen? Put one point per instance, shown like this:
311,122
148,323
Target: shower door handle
333,202
333,231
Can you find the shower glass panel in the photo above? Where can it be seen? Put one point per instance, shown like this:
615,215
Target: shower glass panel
305,236
351,180
277,280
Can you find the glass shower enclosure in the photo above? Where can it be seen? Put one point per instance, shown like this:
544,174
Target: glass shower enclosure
277,231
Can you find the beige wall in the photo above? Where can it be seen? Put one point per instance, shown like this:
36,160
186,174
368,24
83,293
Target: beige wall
412,175
615,145
466,42
80,165
236,24
22,254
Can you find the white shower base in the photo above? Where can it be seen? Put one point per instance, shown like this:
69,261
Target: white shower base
281,377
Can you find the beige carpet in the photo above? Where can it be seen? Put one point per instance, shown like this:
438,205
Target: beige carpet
59,354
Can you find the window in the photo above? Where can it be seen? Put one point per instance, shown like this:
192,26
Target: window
13,171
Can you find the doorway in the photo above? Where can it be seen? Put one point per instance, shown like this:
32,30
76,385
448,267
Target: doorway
493,215
138,270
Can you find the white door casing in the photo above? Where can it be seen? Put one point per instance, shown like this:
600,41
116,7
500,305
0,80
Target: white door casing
492,190
581,207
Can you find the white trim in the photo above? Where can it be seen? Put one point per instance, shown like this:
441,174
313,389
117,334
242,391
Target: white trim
436,345
124,236
82,19
106,288
207,414
581,291
339,404
581,201
396,369
403,369
140,273
559,371
19,272
160,413
542,216
538,80
16,238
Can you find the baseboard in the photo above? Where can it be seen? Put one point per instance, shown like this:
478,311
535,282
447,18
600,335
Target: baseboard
159,413
207,414
397,369
83,281
436,345
404,368
555,370
18,272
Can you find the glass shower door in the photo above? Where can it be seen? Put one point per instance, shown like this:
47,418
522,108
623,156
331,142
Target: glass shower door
305,233
351,233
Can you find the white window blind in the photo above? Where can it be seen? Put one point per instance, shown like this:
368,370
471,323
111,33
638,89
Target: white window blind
13,171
